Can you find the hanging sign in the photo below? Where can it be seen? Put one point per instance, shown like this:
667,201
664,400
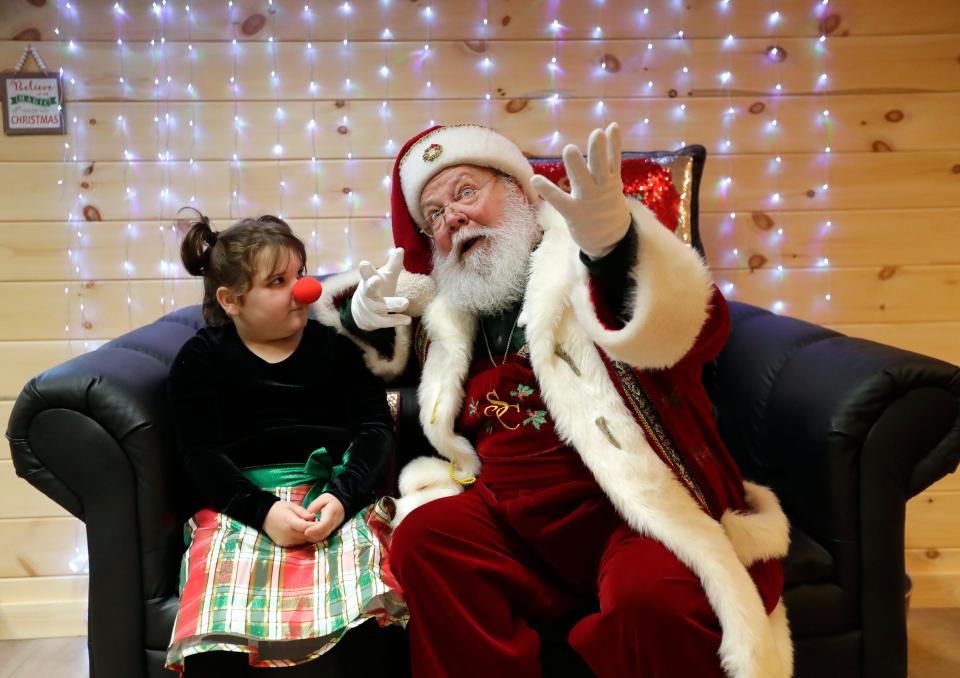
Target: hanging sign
32,102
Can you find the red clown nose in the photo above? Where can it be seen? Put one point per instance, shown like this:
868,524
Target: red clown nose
307,290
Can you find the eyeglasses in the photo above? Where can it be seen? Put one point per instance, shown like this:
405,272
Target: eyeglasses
467,197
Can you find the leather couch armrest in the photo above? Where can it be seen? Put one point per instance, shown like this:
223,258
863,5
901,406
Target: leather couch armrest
106,409
845,431
810,411
92,433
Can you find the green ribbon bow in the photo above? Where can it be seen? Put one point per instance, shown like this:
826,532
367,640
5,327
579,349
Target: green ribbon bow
318,471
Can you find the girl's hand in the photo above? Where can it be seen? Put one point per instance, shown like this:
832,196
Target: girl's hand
286,523
331,517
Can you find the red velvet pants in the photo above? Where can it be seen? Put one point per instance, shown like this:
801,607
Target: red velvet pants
478,568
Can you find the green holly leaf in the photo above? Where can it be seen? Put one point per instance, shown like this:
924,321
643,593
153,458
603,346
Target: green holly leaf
536,418
522,391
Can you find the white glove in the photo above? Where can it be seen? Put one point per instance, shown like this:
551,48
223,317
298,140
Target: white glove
595,209
374,304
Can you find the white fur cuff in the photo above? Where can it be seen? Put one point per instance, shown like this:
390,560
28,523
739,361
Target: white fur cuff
423,480
762,534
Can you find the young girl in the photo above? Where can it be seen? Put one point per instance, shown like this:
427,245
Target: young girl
286,434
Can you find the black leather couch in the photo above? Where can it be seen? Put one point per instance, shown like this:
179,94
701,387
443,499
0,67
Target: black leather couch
844,430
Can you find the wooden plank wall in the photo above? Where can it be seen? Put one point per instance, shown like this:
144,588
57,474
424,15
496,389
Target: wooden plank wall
321,98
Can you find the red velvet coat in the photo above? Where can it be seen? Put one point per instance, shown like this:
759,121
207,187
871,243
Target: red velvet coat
629,401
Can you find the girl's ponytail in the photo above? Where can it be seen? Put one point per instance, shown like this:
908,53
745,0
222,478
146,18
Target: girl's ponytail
197,245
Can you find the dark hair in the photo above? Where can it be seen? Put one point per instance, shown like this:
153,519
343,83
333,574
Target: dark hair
229,258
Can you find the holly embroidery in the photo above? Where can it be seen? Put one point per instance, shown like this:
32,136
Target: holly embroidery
521,392
535,418
498,408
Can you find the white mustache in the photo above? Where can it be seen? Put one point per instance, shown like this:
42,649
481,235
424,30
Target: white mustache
465,234
495,277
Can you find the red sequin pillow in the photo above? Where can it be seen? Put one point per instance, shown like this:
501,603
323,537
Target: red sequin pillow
667,182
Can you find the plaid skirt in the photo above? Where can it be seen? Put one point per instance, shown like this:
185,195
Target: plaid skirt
241,592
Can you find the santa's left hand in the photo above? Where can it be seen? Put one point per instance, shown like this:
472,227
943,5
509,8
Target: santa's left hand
595,209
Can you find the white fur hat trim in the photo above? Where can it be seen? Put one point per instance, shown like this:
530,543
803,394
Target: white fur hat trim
460,145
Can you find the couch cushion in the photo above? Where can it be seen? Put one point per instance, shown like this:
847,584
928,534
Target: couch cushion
159,615
820,610
816,605
806,562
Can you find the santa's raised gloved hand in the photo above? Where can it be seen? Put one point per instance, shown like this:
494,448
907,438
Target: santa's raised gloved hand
595,209
374,304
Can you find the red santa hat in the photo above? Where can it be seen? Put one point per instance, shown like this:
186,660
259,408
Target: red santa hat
428,153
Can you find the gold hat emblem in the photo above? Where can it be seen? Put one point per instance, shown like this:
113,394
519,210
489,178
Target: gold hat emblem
432,153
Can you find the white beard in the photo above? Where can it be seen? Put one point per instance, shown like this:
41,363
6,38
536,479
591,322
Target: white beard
491,279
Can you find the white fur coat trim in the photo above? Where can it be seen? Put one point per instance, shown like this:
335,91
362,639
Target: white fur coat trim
671,290
440,394
643,489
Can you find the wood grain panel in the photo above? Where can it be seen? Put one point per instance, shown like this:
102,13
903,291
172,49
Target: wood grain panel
947,483
43,589
855,181
936,590
96,309
935,573
40,547
48,250
911,294
464,19
933,561
933,520
5,407
844,238
858,295
855,123
20,499
43,619
856,65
